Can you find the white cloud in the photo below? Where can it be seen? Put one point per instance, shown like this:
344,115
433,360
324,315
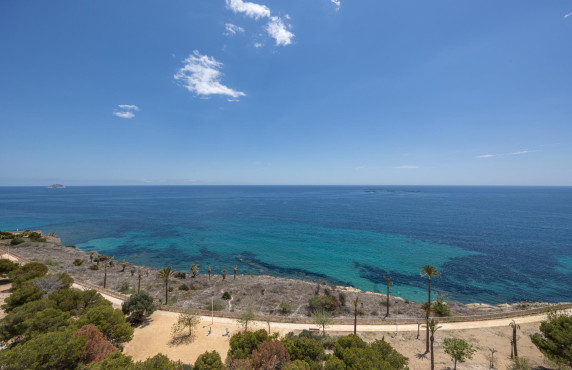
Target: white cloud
127,115
258,45
232,29
201,75
251,10
409,167
126,111
128,107
337,3
521,152
278,31
486,156
506,154
567,15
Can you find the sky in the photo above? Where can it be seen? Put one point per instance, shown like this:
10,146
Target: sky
317,92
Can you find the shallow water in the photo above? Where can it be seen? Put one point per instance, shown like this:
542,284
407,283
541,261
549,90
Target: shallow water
492,244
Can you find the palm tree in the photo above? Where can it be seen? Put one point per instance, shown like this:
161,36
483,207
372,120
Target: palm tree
139,276
388,282
514,327
223,274
428,271
355,301
209,271
432,326
166,273
195,269
123,265
234,270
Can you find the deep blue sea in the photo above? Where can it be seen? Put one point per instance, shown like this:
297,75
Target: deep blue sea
492,244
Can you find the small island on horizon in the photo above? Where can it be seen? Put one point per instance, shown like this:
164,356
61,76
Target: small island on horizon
56,186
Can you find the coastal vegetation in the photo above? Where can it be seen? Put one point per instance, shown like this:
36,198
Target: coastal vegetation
458,349
429,272
555,340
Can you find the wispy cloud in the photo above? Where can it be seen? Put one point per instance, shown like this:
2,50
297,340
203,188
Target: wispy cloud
258,45
126,111
127,115
337,3
201,75
232,29
279,32
508,154
128,107
567,15
251,10
407,167
276,28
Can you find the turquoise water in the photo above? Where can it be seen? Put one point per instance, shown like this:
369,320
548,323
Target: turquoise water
492,244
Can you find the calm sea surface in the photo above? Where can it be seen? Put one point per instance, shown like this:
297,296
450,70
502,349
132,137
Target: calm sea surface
492,244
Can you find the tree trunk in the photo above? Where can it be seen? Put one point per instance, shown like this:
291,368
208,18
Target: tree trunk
514,341
432,357
139,285
355,320
166,291
511,350
104,276
387,313
427,315
455,365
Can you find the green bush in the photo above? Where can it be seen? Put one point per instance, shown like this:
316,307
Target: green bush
226,296
242,344
7,266
50,262
78,262
327,303
183,287
94,267
555,342
441,308
71,246
138,306
285,308
305,349
180,275
209,361
110,321
17,240
296,365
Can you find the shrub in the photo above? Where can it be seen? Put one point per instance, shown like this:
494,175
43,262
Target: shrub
520,363
185,321
285,308
270,355
215,305
97,347
7,266
209,361
94,267
138,306
70,246
21,296
458,349
226,296
110,321
305,349
555,342
50,262
441,308
170,289
180,275
183,287
297,365
327,303
125,287
17,240
56,350
242,344
195,286
342,298
78,262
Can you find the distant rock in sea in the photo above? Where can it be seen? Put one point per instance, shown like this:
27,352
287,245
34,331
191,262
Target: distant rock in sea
56,186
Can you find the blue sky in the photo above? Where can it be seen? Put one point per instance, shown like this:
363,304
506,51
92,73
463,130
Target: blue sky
286,92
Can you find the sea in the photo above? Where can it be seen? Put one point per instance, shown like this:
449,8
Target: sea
491,244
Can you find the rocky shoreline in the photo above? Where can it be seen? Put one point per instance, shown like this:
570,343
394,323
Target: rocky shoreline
266,295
